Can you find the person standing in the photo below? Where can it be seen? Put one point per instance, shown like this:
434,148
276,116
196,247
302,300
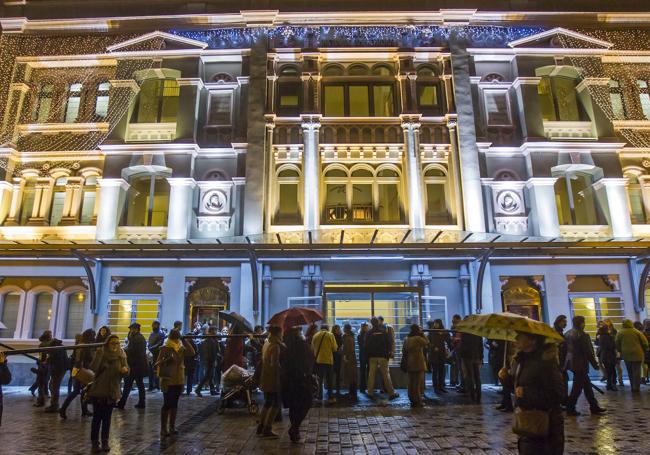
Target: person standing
496,351
470,352
270,382
82,359
311,331
537,380
559,325
349,361
455,373
646,332
209,350
57,365
190,364
580,354
171,371
42,371
439,345
607,355
102,334
363,360
234,351
338,355
414,348
378,351
5,378
632,344
324,346
155,342
109,365
136,356
297,363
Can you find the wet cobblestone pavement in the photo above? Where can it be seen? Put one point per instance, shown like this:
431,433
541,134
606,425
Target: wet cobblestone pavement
448,425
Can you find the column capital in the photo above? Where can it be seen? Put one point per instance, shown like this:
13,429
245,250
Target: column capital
410,121
540,181
310,121
181,181
452,121
110,183
611,182
4,185
125,83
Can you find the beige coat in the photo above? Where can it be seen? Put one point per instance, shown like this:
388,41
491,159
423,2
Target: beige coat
270,377
414,348
349,360
168,354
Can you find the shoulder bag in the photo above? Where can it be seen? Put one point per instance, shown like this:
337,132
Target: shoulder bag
531,423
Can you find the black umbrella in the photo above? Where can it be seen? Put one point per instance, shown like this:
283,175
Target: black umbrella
234,318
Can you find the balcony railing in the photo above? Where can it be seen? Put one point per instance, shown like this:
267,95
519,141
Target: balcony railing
569,130
151,132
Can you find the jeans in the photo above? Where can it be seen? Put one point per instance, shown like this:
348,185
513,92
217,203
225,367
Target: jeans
189,379
634,373
171,396
438,374
382,364
102,412
128,385
472,376
324,373
77,387
581,382
208,377
55,387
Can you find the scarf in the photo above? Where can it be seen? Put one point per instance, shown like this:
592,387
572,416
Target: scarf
174,344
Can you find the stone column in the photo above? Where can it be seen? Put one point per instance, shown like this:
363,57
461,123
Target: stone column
619,206
311,171
111,197
270,172
72,201
543,213
13,109
13,218
42,202
465,279
267,278
453,175
6,190
415,189
180,208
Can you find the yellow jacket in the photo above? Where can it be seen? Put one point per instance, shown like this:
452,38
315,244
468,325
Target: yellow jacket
327,348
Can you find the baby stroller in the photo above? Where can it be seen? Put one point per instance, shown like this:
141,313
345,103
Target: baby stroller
238,384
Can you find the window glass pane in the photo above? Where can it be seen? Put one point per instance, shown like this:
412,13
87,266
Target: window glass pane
358,70
383,100
545,96
428,95
496,108
220,107
362,173
381,70
148,101
146,312
361,202
645,104
565,98
637,211
119,317
101,107
611,308
72,107
289,94
138,202
42,314
56,211
359,101
436,204
336,205
29,192
75,320
160,202
10,307
169,107
44,103
288,210
334,101
586,306
389,210
88,207
617,106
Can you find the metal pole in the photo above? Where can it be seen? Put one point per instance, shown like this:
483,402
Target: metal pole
91,280
253,262
479,282
642,282
14,349
47,349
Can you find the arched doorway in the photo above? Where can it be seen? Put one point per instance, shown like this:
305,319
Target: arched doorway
205,298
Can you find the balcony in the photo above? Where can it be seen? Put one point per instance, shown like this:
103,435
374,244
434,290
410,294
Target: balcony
151,132
586,231
560,131
45,233
142,232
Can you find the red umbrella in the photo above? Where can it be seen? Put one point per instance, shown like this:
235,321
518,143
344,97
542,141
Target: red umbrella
295,316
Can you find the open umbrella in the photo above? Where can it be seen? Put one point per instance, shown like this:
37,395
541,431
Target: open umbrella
504,326
234,318
295,316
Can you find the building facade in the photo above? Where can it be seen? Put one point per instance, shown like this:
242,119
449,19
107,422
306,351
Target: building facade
263,127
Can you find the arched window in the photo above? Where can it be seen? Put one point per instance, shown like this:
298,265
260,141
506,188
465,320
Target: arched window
157,101
336,200
42,314
27,203
429,91
58,199
73,102
289,96
43,104
558,99
576,199
382,70
9,315
288,197
147,201
101,100
635,197
333,70
388,199
438,206
75,315
89,200
358,69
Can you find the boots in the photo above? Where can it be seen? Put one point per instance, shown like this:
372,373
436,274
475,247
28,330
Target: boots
105,446
164,415
172,421
95,448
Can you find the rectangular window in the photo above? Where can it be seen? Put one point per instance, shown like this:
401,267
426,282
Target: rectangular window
334,100
362,202
74,100
428,99
288,210
29,194
220,109
75,317
289,99
382,96
359,101
124,312
596,309
169,109
56,212
389,210
148,100
43,103
617,106
101,102
88,207
497,109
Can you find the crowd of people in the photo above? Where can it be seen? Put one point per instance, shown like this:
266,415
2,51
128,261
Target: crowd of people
292,369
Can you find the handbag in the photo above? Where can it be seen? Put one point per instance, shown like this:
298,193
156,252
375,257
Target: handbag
166,368
84,375
531,423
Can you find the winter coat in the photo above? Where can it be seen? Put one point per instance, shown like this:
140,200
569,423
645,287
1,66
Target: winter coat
349,358
414,347
361,341
177,359
209,351
378,343
470,347
562,349
439,343
233,354
155,342
57,361
5,378
270,378
136,355
82,358
631,343
606,346
580,351
108,375
296,365
324,350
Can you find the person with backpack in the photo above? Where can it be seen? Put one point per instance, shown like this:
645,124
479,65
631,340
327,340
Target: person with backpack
324,346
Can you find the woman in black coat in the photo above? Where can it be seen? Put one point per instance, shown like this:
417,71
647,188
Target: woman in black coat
607,354
82,358
297,362
5,378
439,347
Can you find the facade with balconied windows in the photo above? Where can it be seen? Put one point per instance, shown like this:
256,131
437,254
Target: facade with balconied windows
455,161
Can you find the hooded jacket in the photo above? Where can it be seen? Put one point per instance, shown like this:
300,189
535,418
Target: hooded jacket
631,343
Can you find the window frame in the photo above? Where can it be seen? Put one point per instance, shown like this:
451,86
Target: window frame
644,92
161,98
498,91
152,192
437,180
293,180
70,95
214,94
368,81
38,102
617,90
101,93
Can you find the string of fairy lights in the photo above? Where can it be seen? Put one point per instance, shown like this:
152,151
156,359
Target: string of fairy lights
11,70
625,75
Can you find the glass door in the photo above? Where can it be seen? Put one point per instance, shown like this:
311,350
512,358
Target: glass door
596,308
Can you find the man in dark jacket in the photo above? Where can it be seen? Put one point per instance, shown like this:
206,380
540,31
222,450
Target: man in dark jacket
136,357
156,340
580,353
5,378
378,351
363,360
470,352
209,352
82,358
41,369
57,365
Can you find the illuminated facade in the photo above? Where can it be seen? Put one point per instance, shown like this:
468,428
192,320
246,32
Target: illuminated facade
446,126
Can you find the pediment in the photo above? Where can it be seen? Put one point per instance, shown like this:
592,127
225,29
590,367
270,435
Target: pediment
169,42
553,38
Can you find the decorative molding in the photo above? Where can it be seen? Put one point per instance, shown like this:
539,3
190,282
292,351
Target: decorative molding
151,132
57,128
